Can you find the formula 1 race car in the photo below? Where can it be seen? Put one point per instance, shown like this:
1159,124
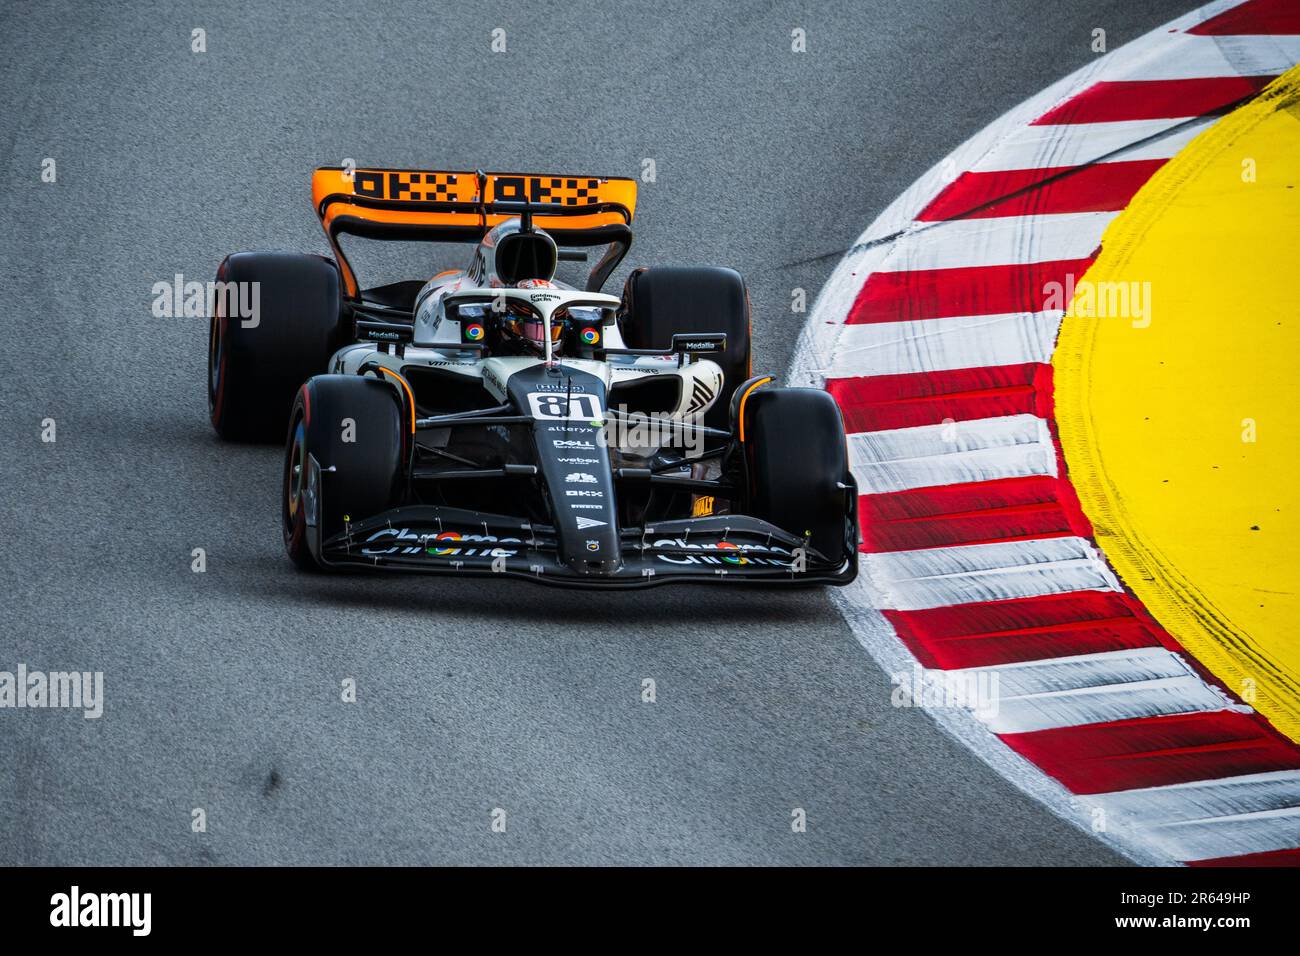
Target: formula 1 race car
497,420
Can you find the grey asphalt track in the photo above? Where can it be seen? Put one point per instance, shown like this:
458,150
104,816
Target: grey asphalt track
223,688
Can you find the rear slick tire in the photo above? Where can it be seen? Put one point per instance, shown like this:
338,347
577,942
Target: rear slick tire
665,301
257,362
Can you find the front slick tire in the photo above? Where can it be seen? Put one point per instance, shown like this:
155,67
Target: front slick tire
354,426
798,458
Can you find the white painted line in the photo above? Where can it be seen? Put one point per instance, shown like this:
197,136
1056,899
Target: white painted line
1233,835
981,450
1004,240
1094,705
934,345
1190,56
1204,819
1028,678
939,441
985,464
968,574
1036,147
1090,688
971,558
1204,799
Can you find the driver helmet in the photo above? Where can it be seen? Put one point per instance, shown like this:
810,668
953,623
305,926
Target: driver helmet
525,325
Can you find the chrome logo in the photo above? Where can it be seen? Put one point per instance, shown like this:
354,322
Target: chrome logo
447,535
590,335
473,332
731,558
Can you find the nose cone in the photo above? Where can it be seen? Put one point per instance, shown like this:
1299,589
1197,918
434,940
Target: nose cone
568,409
593,564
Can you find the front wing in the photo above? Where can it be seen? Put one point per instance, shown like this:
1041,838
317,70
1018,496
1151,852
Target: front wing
436,539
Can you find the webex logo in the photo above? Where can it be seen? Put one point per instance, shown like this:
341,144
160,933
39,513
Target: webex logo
102,909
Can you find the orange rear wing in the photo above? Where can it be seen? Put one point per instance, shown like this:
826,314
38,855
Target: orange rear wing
446,206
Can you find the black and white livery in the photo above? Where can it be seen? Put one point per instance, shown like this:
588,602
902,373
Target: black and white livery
496,420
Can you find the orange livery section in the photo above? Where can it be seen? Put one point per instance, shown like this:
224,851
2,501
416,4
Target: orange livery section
451,206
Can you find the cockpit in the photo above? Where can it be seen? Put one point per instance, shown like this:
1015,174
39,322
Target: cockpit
510,325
